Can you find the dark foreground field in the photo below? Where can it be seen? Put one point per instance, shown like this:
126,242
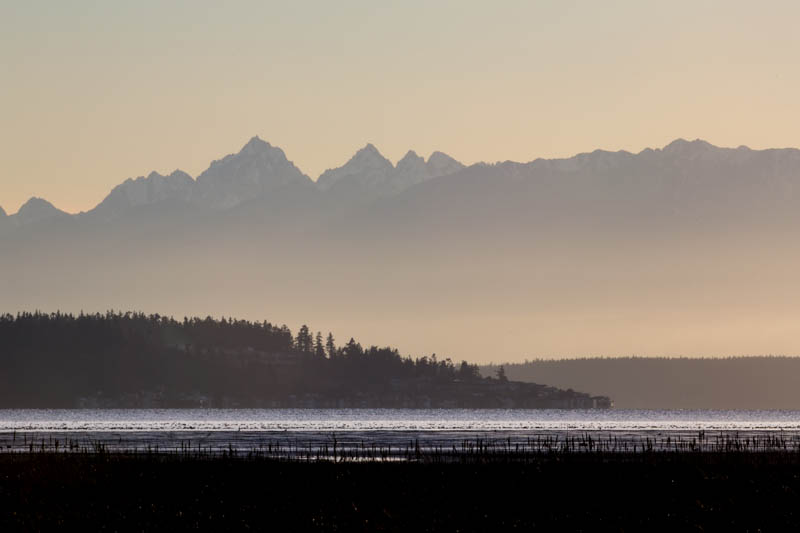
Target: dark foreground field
588,491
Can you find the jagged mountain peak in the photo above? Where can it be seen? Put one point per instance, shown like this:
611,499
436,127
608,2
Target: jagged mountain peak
255,140
441,164
369,153
411,157
411,154
410,170
256,146
367,168
152,189
258,167
176,175
369,148
256,170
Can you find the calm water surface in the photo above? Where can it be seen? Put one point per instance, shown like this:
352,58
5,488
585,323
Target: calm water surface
254,428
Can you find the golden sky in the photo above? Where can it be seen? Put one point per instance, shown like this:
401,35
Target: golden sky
95,92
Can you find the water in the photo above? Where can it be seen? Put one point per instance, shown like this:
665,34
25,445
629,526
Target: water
250,429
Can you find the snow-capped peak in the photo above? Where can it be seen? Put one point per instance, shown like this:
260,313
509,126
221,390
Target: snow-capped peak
410,171
257,169
148,190
367,168
413,169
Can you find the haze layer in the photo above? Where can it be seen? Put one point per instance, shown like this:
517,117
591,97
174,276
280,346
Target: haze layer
689,249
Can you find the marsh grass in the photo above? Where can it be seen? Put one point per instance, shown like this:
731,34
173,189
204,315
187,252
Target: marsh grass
485,488
464,451
582,483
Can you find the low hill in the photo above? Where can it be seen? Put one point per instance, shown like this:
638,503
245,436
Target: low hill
673,383
137,360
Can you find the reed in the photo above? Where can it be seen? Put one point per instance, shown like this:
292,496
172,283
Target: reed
551,484
476,450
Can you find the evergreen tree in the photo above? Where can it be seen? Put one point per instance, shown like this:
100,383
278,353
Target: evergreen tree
501,374
330,346
468,372
304,341
353,349
319,348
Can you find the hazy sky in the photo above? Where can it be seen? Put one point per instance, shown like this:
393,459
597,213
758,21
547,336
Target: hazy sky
93,92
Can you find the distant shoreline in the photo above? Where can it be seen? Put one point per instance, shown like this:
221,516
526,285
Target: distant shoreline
747,382
133,360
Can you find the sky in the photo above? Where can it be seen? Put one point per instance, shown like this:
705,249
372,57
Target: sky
94,92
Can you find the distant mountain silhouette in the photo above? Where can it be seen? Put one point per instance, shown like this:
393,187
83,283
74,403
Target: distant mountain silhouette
153,189
369,173
258,169
683,177
637,252
34,211
367,168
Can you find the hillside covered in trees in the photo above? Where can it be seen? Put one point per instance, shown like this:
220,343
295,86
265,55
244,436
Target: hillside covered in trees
137,360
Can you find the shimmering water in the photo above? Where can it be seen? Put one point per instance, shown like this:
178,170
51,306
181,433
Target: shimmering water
411,420
248,429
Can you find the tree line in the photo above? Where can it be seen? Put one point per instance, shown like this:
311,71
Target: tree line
52,359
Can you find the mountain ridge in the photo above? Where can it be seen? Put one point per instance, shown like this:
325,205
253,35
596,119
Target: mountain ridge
145,190
257,169
260,169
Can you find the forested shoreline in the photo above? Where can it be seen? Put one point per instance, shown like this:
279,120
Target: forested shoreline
135,360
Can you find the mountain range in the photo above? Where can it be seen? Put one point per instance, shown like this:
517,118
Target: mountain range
686,249
677,176
258,170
